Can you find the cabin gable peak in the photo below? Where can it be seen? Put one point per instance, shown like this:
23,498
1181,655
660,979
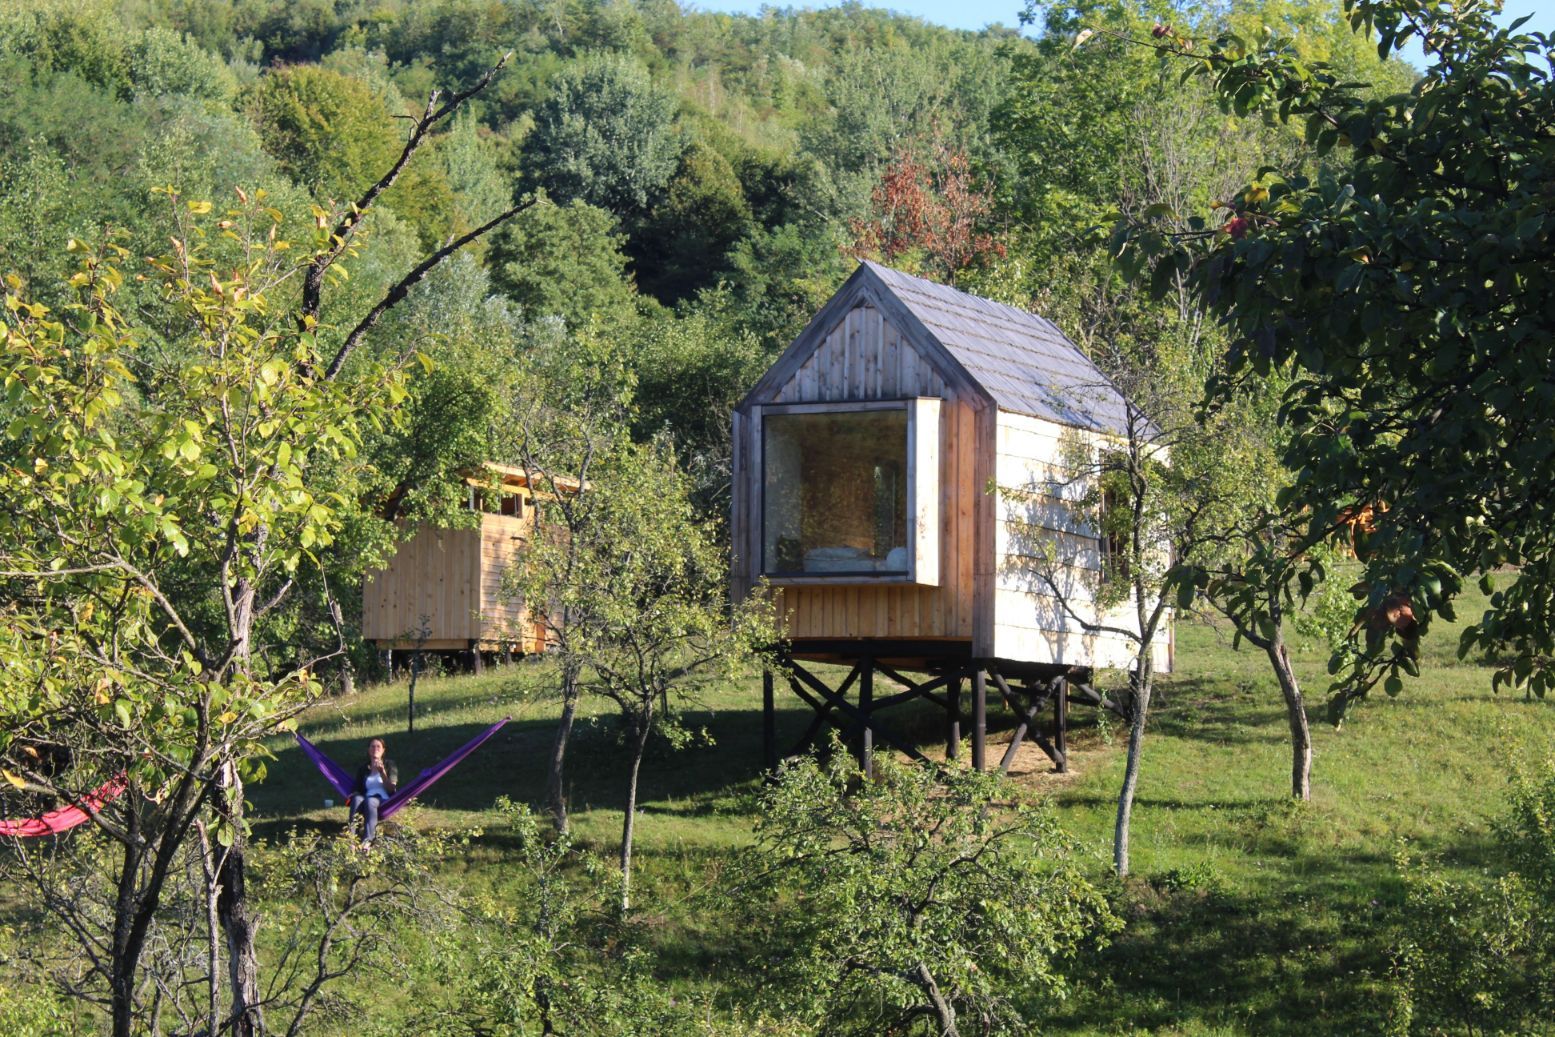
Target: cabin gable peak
865,288
989,352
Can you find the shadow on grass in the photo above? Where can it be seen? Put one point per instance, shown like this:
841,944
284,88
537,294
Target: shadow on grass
691,782
1305,952
727,755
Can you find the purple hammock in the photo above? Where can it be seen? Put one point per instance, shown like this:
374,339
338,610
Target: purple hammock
345,784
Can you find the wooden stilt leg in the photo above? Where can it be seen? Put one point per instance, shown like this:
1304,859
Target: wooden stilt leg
866,735
1061,723
768,722
1009,754
953,716
979,718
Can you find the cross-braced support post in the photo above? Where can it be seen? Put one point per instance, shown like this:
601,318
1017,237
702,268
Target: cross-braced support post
1028,710
858,717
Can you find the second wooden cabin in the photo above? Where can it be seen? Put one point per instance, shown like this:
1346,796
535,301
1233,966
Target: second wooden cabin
868,467
442,591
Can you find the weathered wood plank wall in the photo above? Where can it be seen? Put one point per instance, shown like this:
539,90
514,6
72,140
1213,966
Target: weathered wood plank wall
865,358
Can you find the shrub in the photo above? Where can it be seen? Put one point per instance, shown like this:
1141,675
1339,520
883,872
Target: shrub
914,902
1477,956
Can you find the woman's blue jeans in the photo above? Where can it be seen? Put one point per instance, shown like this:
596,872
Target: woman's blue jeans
368,807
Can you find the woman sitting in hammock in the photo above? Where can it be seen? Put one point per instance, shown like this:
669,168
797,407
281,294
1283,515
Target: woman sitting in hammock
375,789
376,781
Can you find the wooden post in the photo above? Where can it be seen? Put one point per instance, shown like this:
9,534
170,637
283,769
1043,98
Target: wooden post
477,664
768,722
979,717
953,717
1061,722
866,734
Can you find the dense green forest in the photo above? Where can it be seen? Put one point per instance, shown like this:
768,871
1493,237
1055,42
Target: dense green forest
280,276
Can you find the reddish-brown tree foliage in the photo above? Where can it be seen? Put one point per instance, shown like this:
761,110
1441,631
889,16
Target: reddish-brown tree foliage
930,210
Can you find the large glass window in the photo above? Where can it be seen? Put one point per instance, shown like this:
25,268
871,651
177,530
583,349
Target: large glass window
835,494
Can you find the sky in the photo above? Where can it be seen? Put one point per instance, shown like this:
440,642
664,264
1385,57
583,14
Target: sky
976,14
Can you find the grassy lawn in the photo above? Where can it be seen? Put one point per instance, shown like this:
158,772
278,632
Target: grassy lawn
1247,914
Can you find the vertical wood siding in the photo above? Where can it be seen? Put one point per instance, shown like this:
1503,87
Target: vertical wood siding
454,578
865,358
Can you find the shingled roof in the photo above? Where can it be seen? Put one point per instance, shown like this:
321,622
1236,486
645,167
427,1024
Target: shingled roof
1023,361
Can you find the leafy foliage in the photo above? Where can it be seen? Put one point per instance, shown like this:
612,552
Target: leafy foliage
548,958
635,592
915,902
928,215
604,136
156,514
1396,292
1473,953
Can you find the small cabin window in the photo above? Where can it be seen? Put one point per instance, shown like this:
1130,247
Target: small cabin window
512,504
846,491
505,501
1113,537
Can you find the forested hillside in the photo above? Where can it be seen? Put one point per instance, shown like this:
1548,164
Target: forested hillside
281,277
702,181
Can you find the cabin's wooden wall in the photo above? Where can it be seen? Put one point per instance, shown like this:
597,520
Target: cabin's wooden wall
864,357
454,577
505,620
435,573
1034,457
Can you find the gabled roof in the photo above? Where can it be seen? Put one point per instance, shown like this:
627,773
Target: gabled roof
1021,360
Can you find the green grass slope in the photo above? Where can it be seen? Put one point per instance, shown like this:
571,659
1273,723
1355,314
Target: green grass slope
1247,913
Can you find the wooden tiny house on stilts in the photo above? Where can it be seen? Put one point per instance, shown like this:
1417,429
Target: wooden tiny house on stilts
868,463
442,590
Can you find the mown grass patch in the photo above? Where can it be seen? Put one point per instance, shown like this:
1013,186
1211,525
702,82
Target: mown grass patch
1247,913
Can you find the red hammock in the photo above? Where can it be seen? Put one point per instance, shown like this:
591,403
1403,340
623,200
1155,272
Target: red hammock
65,818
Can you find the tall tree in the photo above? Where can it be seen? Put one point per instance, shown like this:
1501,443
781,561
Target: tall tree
570,414
643,584
605,136
1399,293
195,501
1147,491
927,213
131,504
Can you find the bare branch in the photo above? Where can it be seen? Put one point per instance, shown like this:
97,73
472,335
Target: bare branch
409,281
313,282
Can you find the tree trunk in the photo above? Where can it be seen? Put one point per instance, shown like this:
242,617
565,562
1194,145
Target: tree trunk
1296,714
944,1011
1143,682
347,671
628,827
555,783
125,958
410,693
212,929
237,922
